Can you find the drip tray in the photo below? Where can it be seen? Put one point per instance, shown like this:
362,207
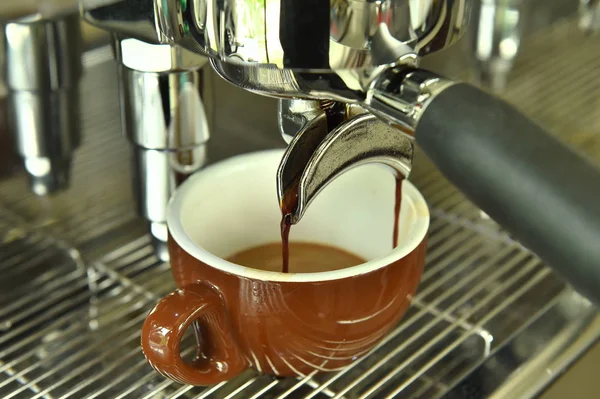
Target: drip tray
68,330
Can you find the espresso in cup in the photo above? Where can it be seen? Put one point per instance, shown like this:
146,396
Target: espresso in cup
302,258
224,245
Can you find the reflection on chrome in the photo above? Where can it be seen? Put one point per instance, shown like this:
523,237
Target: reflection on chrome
291,48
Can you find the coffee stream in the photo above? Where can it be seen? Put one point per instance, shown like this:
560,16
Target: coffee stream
289,203
286,226
397,207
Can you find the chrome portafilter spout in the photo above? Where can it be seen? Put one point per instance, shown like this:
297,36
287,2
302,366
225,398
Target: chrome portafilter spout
330,139
381,131
42,56
163,91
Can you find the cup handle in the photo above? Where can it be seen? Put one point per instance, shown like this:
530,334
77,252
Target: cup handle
218,358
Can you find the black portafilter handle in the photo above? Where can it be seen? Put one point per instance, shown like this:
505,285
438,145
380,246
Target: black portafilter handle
546,195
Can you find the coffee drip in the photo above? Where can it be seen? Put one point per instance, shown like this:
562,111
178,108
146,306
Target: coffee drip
289,203
286,226
397,207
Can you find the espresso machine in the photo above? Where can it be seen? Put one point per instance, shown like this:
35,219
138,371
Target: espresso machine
164,95
497,29
347,71
339,80
41,54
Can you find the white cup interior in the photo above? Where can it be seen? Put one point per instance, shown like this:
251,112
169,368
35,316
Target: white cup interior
232,206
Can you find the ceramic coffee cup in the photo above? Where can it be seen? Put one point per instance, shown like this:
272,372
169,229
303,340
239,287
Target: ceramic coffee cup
282,324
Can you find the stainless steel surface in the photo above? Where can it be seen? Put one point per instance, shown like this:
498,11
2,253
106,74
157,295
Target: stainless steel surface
548,363
496,41
400,98
164,111
148,57
155,178
318,155
137,19
44,54
42,60
295,115
589,15
248,31
493,21
47,133
485,307
310,49
164,96
35,9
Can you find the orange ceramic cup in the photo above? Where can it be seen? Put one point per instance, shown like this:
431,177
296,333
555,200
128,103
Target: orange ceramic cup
282,324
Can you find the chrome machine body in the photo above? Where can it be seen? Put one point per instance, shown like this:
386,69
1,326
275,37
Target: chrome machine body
336,50
162,94
496,41
345,51
42,51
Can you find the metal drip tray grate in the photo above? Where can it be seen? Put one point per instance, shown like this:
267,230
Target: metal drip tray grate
71,331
